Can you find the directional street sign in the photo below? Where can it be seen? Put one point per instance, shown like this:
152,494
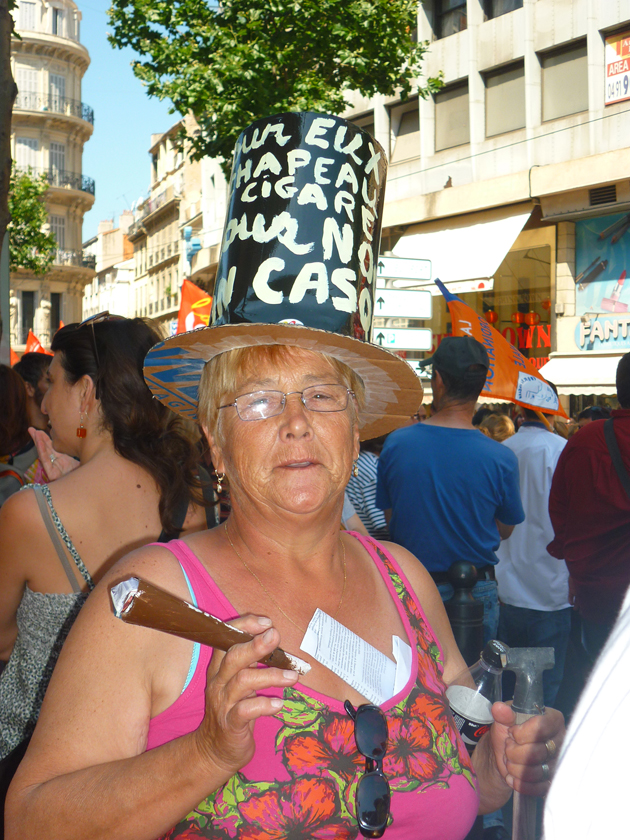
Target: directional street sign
401,303
403,268
402,339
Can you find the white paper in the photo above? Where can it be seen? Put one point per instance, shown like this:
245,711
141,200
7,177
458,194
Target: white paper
362,666
403,656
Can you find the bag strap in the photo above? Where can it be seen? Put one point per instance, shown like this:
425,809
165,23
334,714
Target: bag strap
7,472
54,538
615,454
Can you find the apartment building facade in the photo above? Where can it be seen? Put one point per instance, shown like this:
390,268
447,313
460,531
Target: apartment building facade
50,126
511,177
177,230
112,288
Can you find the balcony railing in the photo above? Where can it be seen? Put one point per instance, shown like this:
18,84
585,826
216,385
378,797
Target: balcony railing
151,205
51,103
66,256
61,178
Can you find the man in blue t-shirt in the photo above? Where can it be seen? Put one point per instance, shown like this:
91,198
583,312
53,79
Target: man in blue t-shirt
451,493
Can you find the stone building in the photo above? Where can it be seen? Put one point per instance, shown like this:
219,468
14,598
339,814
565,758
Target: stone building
512,178
112,288
50,126
185,206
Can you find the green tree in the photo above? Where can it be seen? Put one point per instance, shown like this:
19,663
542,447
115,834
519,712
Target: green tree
30,246
237,61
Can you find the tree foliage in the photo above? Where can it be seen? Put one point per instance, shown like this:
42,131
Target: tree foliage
30,247
232,63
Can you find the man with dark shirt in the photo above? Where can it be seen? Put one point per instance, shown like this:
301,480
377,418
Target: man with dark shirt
590,514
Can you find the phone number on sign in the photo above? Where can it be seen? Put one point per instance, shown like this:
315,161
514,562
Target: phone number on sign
618,88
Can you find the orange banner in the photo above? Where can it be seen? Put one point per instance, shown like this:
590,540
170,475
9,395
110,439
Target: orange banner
194,308
13,357
511,376
34,345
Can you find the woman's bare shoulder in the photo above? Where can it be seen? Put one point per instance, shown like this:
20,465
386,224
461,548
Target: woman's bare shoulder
156,564
431,602
414,571
22,530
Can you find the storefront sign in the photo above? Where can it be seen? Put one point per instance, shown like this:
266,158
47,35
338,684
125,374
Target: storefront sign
602,295
617,68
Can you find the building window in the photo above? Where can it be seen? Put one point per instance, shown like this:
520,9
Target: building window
55,312
505,100
564,81
27,15
26,152
405,122
26,79
57,21
452,123
57,92
496,8
28,314
450,17
58,230
57,158
366,123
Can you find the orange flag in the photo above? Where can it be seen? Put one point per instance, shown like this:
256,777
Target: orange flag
511,376
194,308
13,357
34,345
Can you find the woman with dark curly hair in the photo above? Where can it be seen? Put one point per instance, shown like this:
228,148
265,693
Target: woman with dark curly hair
137,482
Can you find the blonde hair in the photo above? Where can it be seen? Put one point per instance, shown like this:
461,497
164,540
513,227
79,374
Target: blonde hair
497,426
221,375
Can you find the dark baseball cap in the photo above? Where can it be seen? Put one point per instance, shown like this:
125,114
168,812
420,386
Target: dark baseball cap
456,354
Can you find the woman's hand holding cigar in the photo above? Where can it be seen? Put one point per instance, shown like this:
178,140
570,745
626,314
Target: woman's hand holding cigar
225,738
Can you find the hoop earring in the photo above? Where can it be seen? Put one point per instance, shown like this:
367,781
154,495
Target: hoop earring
220,480
355,469
81,430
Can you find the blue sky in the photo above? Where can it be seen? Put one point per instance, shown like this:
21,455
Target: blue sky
116,156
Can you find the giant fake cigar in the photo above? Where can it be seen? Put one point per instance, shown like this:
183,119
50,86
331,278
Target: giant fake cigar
138,602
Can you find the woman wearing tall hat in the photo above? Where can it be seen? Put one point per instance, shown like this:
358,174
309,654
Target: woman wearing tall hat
145,735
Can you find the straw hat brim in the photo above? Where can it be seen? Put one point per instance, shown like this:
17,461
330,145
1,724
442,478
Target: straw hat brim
393,391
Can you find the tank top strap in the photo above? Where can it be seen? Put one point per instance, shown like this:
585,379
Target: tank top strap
391,570
207,594
74,554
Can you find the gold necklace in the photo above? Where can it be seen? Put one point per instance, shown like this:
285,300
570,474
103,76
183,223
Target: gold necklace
264,588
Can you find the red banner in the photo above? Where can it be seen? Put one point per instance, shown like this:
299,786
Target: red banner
194,308
13,357
34,345
511,376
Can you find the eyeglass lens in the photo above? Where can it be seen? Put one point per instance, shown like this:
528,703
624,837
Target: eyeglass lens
262,404
373,798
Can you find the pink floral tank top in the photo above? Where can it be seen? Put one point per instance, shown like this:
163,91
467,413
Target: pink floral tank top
301,782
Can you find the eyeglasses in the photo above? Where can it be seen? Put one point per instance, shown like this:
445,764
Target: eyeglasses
96,319
260,405
373,796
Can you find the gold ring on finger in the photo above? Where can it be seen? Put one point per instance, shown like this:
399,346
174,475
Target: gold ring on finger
552,748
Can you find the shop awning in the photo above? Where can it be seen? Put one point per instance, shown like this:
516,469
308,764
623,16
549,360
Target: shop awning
466,248
582,373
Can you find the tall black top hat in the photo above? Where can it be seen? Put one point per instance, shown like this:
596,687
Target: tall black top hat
298,264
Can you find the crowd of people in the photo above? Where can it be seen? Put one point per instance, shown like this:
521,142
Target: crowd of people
321,520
